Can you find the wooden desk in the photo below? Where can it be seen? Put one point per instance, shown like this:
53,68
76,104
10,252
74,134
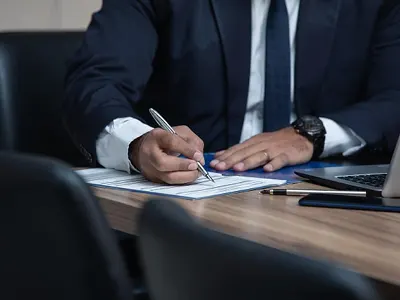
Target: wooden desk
368,242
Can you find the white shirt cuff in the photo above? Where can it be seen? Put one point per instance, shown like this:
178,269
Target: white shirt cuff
340,139
113,143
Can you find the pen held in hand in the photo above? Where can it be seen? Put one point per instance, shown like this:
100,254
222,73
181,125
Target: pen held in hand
164,125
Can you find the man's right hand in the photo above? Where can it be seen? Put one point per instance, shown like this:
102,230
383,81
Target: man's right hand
156,153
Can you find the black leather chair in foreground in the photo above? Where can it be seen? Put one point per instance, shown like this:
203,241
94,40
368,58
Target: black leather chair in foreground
55,242
183,260
32,71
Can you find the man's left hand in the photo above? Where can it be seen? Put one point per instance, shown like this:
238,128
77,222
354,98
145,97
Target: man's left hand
272,150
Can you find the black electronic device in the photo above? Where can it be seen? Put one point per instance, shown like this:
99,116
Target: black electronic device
351,202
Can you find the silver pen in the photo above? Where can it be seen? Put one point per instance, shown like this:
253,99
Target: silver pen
292,192
164,125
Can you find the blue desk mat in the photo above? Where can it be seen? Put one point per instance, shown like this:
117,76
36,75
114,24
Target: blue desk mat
286,173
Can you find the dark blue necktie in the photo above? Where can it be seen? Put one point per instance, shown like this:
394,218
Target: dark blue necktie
277,102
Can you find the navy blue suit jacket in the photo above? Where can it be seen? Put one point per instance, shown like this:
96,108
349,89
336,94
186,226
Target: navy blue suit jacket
190,60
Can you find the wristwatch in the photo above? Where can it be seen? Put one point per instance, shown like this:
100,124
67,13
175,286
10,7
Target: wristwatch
313,129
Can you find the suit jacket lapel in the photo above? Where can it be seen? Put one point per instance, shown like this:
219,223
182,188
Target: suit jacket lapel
233,18
315,36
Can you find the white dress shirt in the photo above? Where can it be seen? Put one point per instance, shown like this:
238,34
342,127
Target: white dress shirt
112,144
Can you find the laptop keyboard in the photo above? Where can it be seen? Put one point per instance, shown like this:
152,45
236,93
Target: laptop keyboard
375,180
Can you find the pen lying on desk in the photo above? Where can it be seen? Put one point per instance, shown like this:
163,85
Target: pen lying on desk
292,192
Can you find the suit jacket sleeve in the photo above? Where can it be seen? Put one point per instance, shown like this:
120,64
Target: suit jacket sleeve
377,119
108,73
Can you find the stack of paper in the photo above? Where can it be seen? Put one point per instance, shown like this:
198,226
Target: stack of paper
201,188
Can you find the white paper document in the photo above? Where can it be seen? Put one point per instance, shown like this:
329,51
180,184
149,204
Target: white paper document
201,188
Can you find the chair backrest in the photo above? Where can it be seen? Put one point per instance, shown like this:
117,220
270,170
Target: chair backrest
56,244
183,260
32,71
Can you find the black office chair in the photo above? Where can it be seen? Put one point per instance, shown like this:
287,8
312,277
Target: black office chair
55,242
32,71
183,260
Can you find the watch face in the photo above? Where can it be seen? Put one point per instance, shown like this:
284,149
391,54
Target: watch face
313,125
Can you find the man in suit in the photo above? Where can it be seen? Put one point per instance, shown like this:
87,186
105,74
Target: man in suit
264,82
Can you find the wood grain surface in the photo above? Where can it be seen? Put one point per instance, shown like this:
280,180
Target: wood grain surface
368,242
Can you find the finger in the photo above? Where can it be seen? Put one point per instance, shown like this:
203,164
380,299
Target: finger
190,137
163,162
229,151
215,160
179,177
223,155
173,143
277,163
196,142
253,161
239,156
172,153
202,161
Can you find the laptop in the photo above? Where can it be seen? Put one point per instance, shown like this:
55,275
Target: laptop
377,180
